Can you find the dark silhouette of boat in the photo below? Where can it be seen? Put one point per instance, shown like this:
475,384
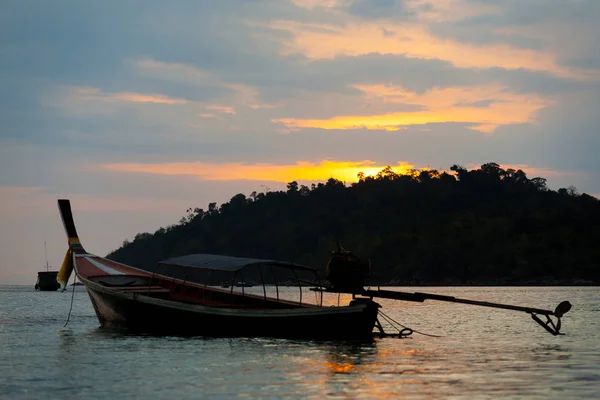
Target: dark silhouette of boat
46,280
182,296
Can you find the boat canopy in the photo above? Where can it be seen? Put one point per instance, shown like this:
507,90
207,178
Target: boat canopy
227,263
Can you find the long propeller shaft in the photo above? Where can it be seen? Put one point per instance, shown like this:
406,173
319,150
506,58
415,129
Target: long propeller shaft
421,297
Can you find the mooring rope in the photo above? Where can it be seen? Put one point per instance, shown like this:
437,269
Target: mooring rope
72,297
391,321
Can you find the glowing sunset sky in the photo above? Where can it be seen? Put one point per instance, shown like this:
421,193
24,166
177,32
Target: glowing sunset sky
139,109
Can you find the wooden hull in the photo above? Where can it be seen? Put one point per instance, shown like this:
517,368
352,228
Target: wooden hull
167,303
146,314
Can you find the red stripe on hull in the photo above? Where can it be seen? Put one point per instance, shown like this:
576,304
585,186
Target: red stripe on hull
86,268
126,269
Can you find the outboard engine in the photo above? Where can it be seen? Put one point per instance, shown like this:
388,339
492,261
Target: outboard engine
346,272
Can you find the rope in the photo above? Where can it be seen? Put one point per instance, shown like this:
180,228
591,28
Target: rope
388,318
406,332
72,297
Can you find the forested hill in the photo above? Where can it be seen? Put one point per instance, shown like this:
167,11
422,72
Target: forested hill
481,226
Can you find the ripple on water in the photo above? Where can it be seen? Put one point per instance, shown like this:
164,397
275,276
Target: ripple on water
483,354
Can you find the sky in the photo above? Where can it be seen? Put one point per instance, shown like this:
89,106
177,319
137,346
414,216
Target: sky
139,109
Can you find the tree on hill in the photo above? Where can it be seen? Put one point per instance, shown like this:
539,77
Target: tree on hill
482,225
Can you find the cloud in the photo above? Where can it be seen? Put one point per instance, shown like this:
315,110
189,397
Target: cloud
412,40
311,4
192,76
499,107
177,72
94,94
223,109
565,29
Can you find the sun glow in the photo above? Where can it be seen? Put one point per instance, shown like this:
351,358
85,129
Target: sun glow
346,171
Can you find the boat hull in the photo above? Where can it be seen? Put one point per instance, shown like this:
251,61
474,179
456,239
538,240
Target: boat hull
159,303
47,282
145,314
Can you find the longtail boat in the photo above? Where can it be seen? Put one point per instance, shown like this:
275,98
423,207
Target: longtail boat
186,296
171,300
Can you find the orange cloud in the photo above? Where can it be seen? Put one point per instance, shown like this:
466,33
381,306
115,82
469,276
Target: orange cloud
259,106
90,100
485,128
310,4
300,171
487,106
223,109
411,39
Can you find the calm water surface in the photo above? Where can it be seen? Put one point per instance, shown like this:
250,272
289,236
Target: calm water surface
484,353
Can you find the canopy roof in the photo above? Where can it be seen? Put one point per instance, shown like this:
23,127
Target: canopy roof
226,263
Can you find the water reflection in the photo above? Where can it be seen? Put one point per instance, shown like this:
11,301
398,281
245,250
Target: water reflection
381,368
504,355
549,352
348,358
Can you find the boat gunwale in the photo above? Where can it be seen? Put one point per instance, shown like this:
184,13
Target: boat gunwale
245,312
183,282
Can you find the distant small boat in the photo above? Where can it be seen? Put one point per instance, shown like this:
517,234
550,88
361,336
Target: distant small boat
46,280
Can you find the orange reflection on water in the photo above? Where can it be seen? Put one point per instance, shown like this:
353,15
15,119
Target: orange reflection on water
381,369
340,368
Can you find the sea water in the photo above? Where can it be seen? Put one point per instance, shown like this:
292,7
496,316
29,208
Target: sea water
481,353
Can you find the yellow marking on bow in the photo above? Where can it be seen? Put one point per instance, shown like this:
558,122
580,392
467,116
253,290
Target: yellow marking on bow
66,269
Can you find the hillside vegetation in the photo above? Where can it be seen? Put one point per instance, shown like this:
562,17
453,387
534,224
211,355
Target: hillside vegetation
480,226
